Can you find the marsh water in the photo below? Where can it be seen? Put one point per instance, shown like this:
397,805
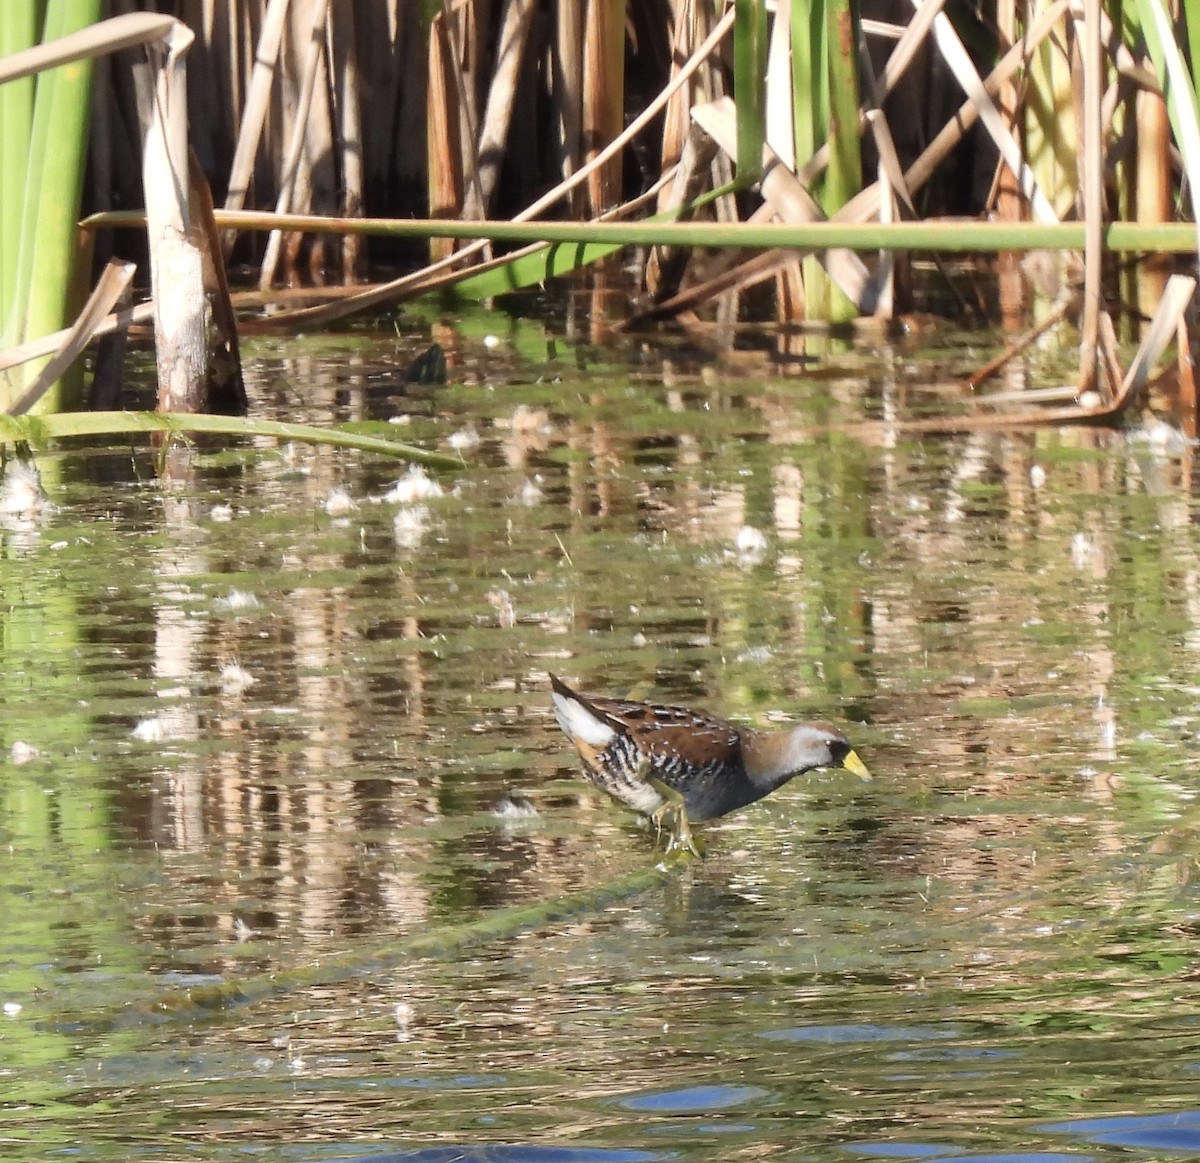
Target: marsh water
269,719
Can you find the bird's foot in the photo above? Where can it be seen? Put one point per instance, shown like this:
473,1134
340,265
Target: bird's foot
679,830
681,838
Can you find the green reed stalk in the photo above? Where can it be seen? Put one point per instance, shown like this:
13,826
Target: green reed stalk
43,266
954,235
749,89
18,30
810,120
40,431
843,178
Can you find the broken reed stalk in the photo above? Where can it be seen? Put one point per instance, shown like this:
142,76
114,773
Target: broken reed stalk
956,56
566,79
296,144
497,117
226,388
865,206
1187,379
258,100
1171,311
1005,195
389,292
111,285
120,320
461,47
603,100
181,314
1151,191
1014,348
347,83
676,117
445,181
316,180
790,201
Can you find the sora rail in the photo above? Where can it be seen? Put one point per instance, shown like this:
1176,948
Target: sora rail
670,761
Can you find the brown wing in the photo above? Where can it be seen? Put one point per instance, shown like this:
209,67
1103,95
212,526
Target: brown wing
698,740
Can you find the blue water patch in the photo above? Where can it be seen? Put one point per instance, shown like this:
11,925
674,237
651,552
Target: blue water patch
1016,1157
860,1033
1164,1139
442,1153
1178,1131
693,1099
954,1154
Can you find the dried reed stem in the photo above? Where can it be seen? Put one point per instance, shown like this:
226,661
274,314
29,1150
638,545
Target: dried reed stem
296,144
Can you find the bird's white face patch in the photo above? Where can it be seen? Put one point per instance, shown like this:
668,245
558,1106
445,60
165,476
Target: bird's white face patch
578,723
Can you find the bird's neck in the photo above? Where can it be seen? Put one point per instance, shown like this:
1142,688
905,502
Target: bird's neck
770,758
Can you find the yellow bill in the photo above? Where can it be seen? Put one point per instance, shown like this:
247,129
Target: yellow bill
856,765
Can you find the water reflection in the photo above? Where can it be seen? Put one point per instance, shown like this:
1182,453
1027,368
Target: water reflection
249,728
696,1099
1177,1131
861,1033
516,1153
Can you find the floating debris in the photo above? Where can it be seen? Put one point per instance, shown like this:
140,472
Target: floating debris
221,513
235,679
21,752
1083,550
404,1015
1037,476
21,492
153,730
463,439
530,495
751,544
514,808
526,419
339,503
750,540
410,525
417,485
237,600
505,614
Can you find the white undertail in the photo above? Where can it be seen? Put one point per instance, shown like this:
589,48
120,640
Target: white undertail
580,723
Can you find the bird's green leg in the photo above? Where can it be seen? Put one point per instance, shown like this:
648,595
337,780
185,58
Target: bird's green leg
679,834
